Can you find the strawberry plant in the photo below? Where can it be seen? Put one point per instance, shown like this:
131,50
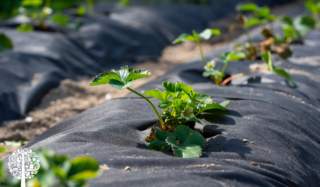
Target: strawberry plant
296,29
180,104
218,75
261,13
204,35
270,67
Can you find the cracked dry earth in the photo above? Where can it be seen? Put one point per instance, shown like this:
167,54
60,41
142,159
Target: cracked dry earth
72,97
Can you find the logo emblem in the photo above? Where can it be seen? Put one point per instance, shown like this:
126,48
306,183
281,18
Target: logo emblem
23,164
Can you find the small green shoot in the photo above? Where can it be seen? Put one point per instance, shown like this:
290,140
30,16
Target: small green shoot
314,7
180,104
218,75
205,35
261,13
5,43
60,19
298,28
270,67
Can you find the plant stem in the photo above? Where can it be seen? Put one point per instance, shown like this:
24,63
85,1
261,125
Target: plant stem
90,7
241,74
201,53
248,36
154,108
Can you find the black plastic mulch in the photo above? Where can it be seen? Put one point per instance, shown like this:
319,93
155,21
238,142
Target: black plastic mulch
281,126
40,60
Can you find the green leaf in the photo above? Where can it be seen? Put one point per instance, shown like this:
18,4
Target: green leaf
2,149
121,78
236,56
83,164
212,106
208,73
160,144
34,3
190,143
5,43
191,151
284,74
15,143
225,104
196,120
267,58
287,20
163,96
187,89
123,73
207,33
184,37
187,136
137,74
25,28
247,7
252,22
104,78
303,25
201,100
119,85
81,10
165,104
59,172
60,19
169,86
288,31
85,175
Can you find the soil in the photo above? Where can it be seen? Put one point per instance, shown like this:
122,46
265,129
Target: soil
73,97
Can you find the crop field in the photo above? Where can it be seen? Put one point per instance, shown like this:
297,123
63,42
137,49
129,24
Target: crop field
132,92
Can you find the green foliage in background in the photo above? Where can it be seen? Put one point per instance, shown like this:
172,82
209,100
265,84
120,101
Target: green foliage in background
56,170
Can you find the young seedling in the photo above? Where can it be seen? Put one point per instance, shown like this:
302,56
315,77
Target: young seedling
5,43
261,13
218,75
184,106
270,67
32,8
314,7
297,29
205,35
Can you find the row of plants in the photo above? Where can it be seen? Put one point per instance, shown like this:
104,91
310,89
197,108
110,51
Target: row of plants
181,105
294,31
51,170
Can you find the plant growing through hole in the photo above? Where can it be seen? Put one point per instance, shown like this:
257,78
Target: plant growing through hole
180,104
211,70
205,35
270,67
295,30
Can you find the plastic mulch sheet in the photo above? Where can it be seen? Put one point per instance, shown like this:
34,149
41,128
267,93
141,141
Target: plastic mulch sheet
40,60
281,126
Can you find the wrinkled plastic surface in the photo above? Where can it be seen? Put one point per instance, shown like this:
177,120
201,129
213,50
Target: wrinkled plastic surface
40,60
281,126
